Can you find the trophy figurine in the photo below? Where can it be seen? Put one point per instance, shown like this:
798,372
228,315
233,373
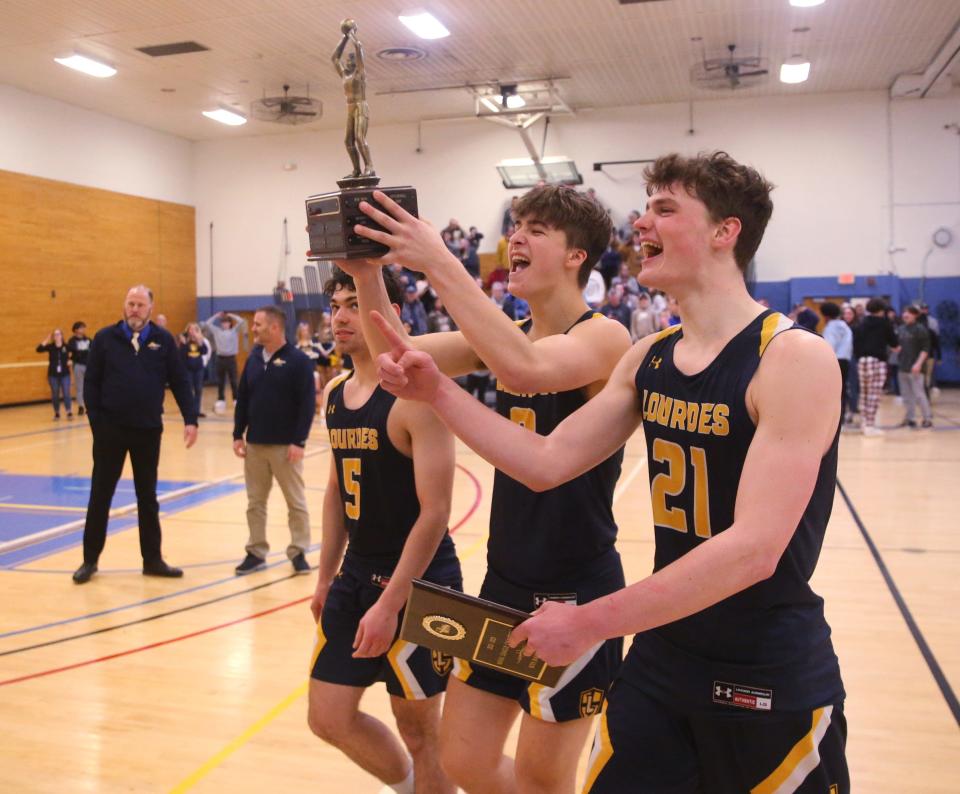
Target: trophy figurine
332,216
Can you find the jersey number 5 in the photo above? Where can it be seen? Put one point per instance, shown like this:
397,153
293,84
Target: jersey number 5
673,481
351,484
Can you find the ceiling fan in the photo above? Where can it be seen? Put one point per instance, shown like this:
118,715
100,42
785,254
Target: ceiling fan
729,73
287,109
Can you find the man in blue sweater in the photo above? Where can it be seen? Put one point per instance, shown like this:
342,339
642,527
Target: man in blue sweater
275,406
128,365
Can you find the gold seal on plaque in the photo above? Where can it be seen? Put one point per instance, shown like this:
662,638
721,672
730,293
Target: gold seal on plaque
443,627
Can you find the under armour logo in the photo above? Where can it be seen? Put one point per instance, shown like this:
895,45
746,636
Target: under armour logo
720,691
655,362
331,409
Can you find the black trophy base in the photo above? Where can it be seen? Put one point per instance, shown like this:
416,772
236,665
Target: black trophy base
331,218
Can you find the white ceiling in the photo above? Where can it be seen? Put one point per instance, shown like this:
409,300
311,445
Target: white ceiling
611,54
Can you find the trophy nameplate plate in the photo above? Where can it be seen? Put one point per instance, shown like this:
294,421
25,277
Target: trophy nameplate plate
471,628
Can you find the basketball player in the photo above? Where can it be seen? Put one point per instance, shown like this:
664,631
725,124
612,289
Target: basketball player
557,545
731,684
385,514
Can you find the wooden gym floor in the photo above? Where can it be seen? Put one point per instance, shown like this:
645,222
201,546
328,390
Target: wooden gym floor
137,684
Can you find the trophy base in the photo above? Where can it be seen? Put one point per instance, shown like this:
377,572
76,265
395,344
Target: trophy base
349,182
331,218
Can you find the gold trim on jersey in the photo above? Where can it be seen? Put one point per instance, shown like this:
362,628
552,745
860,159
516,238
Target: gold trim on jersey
321,641
666,332
772,326
802,759
601,754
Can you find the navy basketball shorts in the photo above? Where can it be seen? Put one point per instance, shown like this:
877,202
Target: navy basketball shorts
582,688
642,745
410,671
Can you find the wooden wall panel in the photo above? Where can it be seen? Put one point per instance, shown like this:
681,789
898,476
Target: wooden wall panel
69,252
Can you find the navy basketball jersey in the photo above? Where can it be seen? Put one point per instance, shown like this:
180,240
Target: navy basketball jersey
563,535
771,637
377,484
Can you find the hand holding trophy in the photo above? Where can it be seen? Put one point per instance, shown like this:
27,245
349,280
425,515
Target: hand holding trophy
332,216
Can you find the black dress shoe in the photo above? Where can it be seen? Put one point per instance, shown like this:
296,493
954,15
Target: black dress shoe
84,572
161,569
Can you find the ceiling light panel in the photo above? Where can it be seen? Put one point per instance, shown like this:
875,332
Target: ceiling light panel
424,24
87,65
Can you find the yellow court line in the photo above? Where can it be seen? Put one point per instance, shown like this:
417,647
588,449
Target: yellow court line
54,508
195,777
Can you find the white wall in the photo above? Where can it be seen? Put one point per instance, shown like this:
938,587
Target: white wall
51,139
829,155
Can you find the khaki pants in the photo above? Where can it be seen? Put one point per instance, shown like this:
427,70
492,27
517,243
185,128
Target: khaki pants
262,464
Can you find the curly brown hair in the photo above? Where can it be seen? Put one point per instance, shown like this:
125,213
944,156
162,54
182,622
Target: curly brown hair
585,223
727,188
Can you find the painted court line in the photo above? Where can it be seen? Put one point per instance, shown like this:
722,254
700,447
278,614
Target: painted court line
236,743
134,605
63,529
195,777
131,651
147,619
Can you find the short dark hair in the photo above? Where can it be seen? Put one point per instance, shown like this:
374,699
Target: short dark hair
340,279
78,325
581,218
275,314
875,305
914,310
726,187
829,310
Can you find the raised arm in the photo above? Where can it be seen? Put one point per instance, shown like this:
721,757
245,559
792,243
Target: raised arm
450,350
335,59
554,363
432,449
539,462
797,418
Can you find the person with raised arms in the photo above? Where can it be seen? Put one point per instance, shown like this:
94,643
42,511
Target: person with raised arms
731,684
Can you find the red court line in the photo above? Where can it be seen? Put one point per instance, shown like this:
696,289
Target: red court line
153,644
42,673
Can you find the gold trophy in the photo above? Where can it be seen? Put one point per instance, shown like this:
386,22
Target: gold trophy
331,217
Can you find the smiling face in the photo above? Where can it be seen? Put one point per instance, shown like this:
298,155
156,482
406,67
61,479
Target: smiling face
678,237
538,255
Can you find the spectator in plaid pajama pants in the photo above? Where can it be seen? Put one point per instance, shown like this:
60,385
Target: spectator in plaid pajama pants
871,341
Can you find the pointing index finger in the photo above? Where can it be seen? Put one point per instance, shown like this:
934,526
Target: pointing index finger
393,338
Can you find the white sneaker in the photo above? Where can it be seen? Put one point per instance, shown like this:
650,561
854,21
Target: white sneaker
872,430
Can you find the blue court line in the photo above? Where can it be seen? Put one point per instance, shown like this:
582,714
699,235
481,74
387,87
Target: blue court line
135,604
147,619
74,538
938,675
61,429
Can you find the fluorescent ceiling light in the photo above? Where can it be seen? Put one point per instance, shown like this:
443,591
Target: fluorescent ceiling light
794,70
226,116
493,107
806,3
515,101
424,24
82,63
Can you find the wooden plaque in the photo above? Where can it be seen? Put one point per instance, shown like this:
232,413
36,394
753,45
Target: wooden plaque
471,628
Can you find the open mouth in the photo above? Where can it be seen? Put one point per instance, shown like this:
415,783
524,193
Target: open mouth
650,249
518,262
